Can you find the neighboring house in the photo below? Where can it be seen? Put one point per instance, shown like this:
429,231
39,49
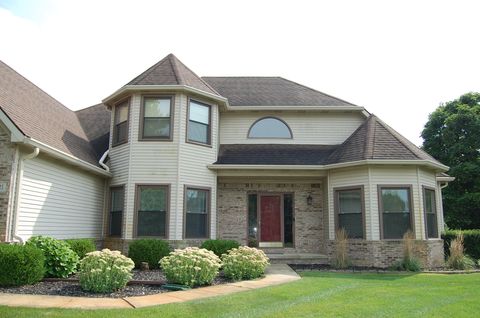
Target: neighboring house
261,160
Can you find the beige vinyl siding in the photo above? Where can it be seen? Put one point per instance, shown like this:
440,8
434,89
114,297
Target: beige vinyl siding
59,201
193,166
308,127
346,178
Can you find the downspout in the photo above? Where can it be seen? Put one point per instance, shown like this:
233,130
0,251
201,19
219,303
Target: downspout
29,156
101,162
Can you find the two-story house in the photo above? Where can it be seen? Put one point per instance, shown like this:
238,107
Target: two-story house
261,160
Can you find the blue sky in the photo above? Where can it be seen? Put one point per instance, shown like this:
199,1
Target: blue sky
399,59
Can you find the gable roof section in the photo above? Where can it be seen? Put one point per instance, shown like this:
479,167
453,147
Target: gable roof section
375,140
41,117
270,91
171,71
95,121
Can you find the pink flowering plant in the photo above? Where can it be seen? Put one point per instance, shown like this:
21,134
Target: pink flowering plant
244,263
191,266
105,271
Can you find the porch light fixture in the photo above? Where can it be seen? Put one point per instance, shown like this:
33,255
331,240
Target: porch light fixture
309,200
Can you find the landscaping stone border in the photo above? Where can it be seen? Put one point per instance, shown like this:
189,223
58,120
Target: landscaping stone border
276,274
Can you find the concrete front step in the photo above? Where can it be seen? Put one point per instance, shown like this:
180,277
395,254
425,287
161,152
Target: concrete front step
297,258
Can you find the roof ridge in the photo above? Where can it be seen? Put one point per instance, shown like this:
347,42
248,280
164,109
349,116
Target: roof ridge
79,110
148,70
241,76
370,140
172,59
185,66
312,89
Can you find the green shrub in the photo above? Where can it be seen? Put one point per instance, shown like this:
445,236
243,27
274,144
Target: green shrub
220,247
410,265
148,250
60,259
105,271
244,263
191,266
471,241
82,246
20,265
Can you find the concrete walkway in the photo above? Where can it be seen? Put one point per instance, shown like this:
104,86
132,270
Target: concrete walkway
276,274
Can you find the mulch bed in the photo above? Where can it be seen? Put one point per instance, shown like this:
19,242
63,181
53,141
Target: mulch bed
359,269
142,283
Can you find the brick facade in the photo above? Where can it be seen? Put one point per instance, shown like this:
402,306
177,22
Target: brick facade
382,254
7,153
232,207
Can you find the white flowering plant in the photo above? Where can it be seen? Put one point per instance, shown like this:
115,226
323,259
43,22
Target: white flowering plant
105,271
244,263
191,266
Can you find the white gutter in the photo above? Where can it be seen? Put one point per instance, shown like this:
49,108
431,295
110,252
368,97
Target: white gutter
18,189
186,88
445,179
331,166
67,157
101,161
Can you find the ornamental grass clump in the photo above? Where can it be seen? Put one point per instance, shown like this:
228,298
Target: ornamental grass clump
105,271
244,263
341,260
457,258
191,266
60,259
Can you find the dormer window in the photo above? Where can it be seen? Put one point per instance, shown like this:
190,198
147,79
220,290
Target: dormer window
270,127
199,125
120,128
156,119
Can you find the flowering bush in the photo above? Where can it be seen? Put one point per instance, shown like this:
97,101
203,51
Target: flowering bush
191,266
60,259
244,263
105,271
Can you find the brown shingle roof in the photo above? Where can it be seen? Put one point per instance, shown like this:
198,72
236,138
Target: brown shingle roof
270,91
41,117
171,71
95,121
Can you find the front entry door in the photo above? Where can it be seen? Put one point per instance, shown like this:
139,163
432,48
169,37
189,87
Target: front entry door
271,220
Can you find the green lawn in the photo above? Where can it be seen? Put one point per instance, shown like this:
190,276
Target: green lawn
318,295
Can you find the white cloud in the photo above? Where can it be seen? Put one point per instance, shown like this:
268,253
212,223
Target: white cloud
398,59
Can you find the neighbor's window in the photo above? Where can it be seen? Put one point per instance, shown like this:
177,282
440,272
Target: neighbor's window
197,209
116,211
430,212
120,128
199,122
156,122
396,209
269,127
152,208
349,209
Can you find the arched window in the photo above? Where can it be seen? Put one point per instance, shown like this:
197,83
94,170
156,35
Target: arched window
270,127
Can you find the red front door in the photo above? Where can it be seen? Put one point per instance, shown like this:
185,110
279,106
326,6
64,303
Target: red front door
270,218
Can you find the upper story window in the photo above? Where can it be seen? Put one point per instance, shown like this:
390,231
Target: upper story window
199,123
120,123
270,127
156,119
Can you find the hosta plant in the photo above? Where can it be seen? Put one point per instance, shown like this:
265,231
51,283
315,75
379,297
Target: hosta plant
60,259
105,271
191,266
244,263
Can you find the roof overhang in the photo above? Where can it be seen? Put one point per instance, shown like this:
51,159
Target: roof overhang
16,135
290,107
445,179
150,88
428,163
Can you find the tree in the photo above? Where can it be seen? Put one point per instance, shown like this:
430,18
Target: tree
452,136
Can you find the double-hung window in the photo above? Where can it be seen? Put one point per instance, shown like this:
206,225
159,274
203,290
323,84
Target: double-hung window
430,208
349,211
120,127
199,124
116,211
156,121
152,210
396,211
197,210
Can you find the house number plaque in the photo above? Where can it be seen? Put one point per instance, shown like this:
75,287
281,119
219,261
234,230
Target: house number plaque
3,186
